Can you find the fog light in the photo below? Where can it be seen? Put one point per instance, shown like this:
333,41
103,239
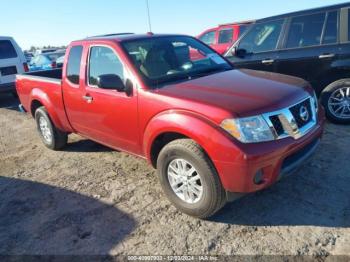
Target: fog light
259,177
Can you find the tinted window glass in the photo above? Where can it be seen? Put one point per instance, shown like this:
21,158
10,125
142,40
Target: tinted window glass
53,57
262,37
103,61
166,59
331,30
7,50
348,24
225,36
73,67
208,38
306,30
242,29
43,60
35,59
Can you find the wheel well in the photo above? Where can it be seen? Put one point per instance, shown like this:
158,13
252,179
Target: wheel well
161,141
34,106
329,78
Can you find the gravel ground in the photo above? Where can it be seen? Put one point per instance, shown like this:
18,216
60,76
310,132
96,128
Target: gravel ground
89,199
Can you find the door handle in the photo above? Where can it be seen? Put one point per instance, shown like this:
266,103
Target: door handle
267,61
326,56
88,99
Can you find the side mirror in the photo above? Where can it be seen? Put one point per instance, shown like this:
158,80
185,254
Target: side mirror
234,51
111,81
241,53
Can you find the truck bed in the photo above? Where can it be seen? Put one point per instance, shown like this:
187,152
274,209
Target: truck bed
52,75
43,87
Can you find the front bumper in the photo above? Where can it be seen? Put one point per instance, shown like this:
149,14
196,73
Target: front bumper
271,160
7,87
292,163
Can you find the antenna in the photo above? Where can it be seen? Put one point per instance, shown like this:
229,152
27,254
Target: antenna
149,16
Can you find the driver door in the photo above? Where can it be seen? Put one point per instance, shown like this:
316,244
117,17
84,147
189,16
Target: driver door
258,48
111,115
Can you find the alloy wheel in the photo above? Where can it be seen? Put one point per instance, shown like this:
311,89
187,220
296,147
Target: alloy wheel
45,129
185,181
339,103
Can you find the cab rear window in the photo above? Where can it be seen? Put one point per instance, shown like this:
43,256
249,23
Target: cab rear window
73,66
225,36
7,50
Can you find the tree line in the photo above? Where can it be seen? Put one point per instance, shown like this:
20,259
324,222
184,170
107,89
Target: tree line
34,48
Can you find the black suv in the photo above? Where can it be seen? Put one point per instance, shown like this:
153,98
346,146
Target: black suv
312,44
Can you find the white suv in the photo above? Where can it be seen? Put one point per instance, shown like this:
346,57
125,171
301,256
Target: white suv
12,62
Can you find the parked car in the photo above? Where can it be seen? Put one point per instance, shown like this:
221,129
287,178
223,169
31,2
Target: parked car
59,61
212,132
45,61
312,44
12,61
28,56
46,50
221,37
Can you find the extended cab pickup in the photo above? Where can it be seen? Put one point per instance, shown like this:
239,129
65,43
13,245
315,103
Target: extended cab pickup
213,133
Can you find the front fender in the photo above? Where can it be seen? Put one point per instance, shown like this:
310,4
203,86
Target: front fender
218,145
44,99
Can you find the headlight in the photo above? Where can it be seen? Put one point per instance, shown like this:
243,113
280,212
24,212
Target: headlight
248,130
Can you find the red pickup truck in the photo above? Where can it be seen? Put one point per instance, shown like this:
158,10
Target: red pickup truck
222,37
213,133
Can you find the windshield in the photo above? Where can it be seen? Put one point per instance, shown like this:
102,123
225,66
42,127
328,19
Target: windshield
167,59
53,57
7,50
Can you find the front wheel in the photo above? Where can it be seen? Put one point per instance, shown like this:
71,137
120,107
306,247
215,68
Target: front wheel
189,179
52,137
336,101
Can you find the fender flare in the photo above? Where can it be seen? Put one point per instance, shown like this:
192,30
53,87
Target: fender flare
194,126
43,98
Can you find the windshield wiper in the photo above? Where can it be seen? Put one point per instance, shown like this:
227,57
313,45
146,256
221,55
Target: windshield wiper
208,72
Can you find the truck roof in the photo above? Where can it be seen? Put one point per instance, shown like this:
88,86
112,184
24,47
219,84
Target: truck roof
120,37
238,23
6,37
307,11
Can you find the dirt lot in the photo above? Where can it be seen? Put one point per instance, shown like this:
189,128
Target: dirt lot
89,199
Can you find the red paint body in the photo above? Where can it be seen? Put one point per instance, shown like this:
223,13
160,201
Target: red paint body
222,47
194,108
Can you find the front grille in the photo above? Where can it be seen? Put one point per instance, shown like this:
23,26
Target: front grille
276,122
10,70
295,110
294,121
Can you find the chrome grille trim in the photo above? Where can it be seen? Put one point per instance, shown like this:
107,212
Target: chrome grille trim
288,122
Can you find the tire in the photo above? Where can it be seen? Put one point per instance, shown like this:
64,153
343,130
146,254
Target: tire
328,96
213,196
58,138
14,94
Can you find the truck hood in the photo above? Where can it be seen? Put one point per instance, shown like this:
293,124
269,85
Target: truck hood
241,92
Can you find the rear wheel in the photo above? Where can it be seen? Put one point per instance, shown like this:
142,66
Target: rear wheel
189,179
52,137
336,101
14,94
